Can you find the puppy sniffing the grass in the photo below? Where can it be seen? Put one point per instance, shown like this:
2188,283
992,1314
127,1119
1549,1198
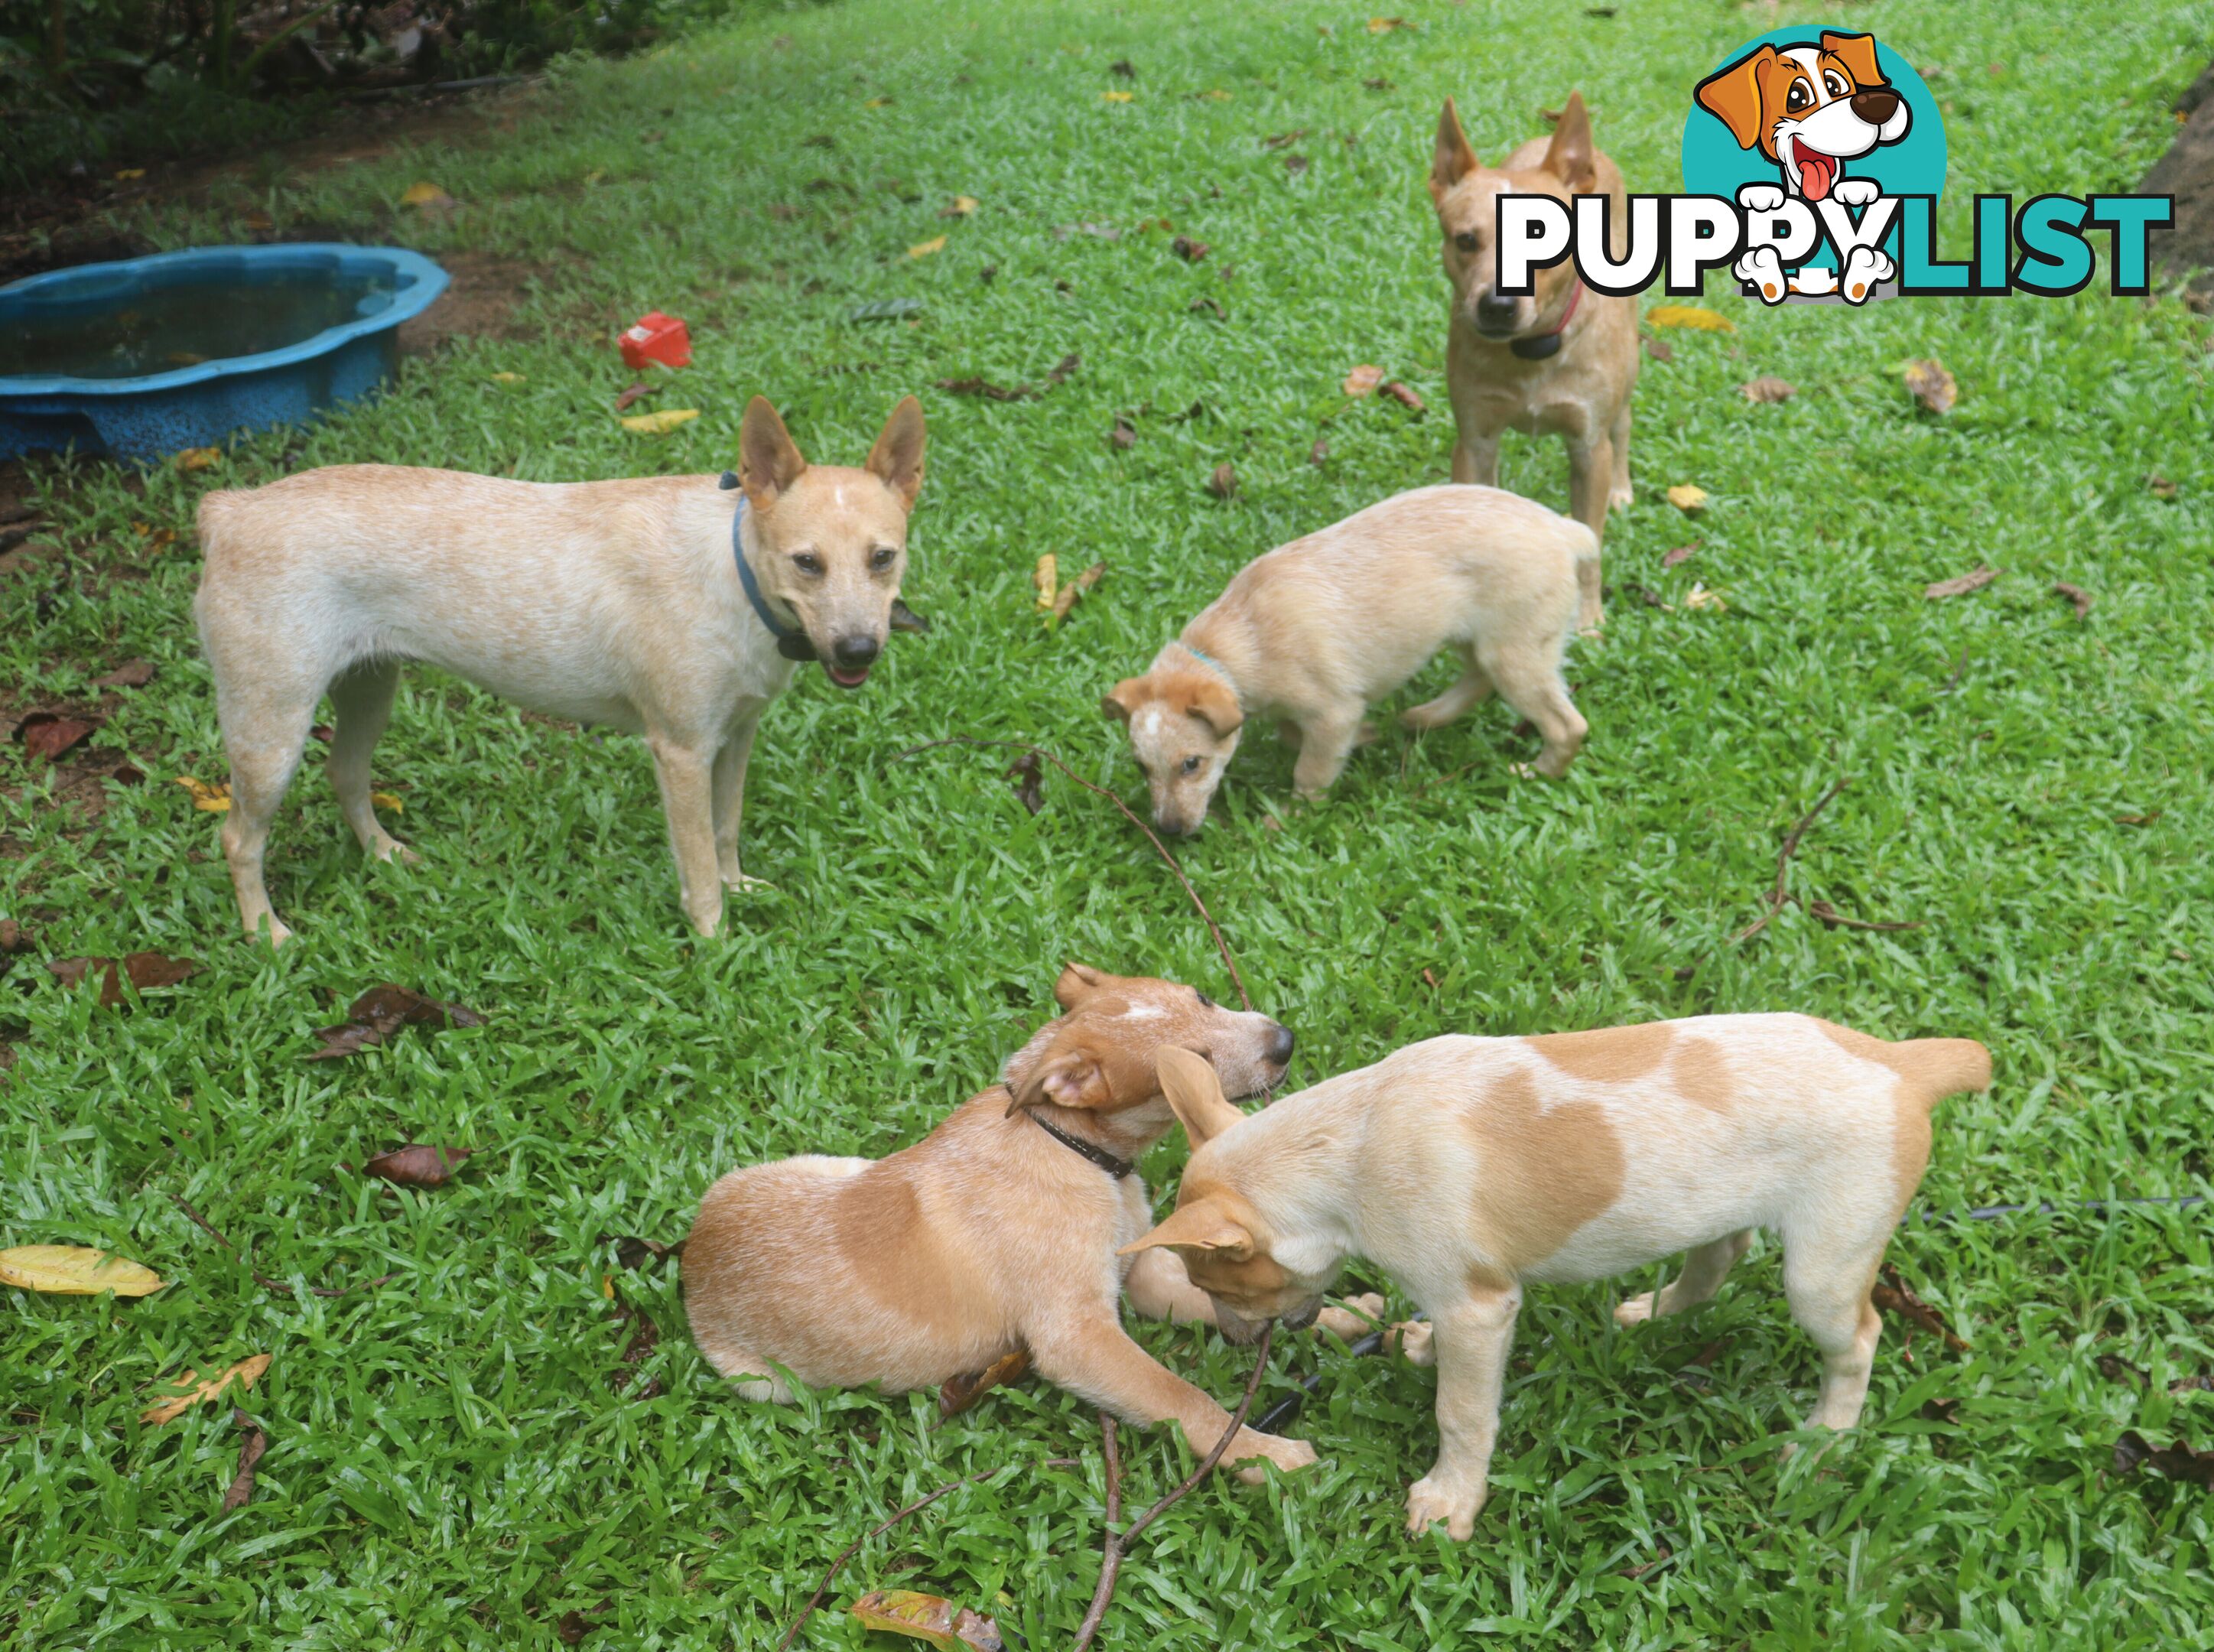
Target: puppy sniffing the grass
1561,361
1309,635
664,606
996,1232
1466,1167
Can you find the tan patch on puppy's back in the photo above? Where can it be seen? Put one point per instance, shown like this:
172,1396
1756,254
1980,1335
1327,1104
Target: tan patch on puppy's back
881,1234
1542,1173
1606,1054
1701,1073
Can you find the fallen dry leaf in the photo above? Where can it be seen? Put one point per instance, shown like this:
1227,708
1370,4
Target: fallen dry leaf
2116,1369
145,972
1687,499
1122,69
1319,453
1932,385
2162,488
1681,554
1700,597
2178,1461
251,1443
131,673
76,1270
633,1252
959,207
2149,819
1208,306
197,1390
1659,349
1363,379
960,1393
14,937
417,1165
507,379
1065,597
1046,577
1430,979
1026,773
927,1618
1224,482
1403,395
1116,97
386,800
878,103
1188,249
925,249
383,1010
1385,25
1125,434
198,458
1695,317
426,194
1892,1295
1060,369
1284,140
2075,594
1767,389
1960,585
129,174
49,734
660,423
213,799
632,394
984,387
1940,1410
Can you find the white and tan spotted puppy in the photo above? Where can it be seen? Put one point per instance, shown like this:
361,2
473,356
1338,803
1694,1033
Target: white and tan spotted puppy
1311,634
1469,1167
619,602
995,1232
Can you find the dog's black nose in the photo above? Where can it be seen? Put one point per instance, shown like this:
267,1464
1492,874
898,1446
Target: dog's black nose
1876,105
1492,307
1280,1043
854,653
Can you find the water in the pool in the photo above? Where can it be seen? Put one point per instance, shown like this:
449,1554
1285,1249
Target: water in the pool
161,331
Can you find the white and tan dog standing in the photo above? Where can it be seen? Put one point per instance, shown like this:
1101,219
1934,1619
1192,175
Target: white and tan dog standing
1467,1168
1561,361
1309,635
619,603
995,1232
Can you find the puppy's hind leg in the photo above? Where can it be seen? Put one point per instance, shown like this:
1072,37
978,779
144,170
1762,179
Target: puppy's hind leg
265,724
1471,688
361,700
1828,1287
1621,495
1704,1270
748,1372
1529,679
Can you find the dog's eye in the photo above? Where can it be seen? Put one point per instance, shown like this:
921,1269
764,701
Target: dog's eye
1836,82
1796,98
1191,764
1466,241
881,558
807,563
1205,1002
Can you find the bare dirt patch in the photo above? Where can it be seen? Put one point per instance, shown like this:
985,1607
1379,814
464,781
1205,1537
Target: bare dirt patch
2187,172
480,303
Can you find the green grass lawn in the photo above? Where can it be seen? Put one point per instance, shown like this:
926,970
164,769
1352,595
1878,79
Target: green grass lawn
461,1456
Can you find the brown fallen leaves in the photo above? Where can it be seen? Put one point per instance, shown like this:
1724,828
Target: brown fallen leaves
991,392
2075,594
1027,776
144,971
1933,387
1961,585
2178,1462
1125,434
1659,349
383,1010
48,734
1892,1295
1363,379
927,1618
131,673
253,1441
1188,249
1319,453
76,1270
1223,484
1404,396
632,396
191,1389
417,1165
1767,389
1681,554
961,1392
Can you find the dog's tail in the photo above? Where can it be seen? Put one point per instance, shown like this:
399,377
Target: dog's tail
1934,1068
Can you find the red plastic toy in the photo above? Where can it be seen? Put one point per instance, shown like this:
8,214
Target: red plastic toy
656,337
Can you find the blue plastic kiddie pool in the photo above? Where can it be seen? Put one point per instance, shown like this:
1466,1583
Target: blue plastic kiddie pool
152,355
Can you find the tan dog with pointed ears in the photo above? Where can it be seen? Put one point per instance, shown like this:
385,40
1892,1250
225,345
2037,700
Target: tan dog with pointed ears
1560,362
995,1232
617,603
1311,634
1468,1167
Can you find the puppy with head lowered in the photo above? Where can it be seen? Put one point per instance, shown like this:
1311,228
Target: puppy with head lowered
995,1232
1558,361
1468,1167
1310,634
664,606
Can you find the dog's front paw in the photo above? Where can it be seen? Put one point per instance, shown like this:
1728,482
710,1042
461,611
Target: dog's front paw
1429,1502
739,880
1759,197
1636,1311
1288,1455
1864,267
1854,192
1412,1338
1360,1316
1763,269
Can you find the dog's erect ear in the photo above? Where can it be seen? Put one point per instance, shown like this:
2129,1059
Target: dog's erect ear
1067,1079
1078,983
1121,702
1857,53
1453,160
1194,1094
768,461
1202,1225
1732,95
897,455
1213,704
1568,158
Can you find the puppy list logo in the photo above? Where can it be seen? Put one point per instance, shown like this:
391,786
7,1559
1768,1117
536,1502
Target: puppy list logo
1812,162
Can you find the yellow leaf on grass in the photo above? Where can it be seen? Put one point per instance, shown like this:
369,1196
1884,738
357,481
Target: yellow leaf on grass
927,1618
876,103
1066,596
1216,94
198,458
1116,97
507,379
426,194
925,249
1385,25
75,1270
660,423
196,1391
1363,379
1686,498
214,800
386,800
959,207
129,174
1700,597
1690,315
1933,387
1047,579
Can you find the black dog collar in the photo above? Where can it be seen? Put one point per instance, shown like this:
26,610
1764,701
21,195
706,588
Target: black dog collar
1117,1168
1549,344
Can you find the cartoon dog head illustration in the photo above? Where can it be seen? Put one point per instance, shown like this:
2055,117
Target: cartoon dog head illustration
1809,109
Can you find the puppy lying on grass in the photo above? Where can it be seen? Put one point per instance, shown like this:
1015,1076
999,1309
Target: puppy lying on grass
1312,634
662,606
996,1232
1465,1167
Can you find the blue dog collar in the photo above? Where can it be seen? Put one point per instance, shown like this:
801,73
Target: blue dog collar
1215,666
789,643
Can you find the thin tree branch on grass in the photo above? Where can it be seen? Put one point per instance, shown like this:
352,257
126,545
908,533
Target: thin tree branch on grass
263,1280
1118,1543
1220,946
852,1548
1779,897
